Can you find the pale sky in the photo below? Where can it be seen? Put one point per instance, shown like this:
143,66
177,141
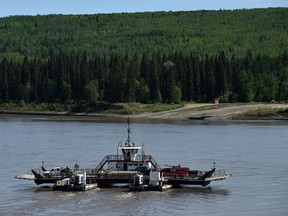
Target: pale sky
43,7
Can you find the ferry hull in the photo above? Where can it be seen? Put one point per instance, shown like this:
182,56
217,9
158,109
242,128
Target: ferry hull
76,188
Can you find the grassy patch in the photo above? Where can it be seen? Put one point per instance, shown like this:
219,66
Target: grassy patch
134,108
119,108
123,108
266,112
38,107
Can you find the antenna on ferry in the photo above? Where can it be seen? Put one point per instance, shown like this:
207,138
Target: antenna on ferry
128,130
128,124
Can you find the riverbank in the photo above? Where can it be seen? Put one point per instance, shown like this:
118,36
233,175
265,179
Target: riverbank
254,111
257,111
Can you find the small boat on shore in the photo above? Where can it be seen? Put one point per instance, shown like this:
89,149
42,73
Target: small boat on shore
201,117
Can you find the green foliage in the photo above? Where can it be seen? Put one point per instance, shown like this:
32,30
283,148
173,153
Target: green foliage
142,93
65,92
73,78
234,31
92,92
283,85
37,107
177,94
265,112
158,57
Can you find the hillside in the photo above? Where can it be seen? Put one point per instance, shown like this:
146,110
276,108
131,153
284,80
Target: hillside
161,57
263,31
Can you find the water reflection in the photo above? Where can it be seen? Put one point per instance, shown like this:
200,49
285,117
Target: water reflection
199,190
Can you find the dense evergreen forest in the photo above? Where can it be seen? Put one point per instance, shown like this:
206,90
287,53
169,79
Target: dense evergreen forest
160,57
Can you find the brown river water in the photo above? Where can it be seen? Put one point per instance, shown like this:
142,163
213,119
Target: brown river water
255,153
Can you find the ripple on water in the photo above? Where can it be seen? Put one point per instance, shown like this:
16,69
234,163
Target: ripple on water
255,154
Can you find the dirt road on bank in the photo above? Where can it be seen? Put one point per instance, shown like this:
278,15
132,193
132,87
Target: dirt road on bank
216,112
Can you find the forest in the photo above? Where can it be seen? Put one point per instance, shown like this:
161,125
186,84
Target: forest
160,57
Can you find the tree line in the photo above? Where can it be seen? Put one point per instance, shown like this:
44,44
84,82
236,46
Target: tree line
148,78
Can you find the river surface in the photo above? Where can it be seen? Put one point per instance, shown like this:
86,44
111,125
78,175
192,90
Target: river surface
256,154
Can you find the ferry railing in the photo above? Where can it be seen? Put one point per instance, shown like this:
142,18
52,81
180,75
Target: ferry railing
153,161
219,173
120,158
64,174
49,174
102,163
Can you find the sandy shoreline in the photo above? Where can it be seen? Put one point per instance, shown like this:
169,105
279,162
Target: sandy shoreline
214,112
194,110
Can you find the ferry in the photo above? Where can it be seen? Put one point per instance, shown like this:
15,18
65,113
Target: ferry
130,167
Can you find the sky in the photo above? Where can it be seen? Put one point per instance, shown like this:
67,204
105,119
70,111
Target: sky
44,7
